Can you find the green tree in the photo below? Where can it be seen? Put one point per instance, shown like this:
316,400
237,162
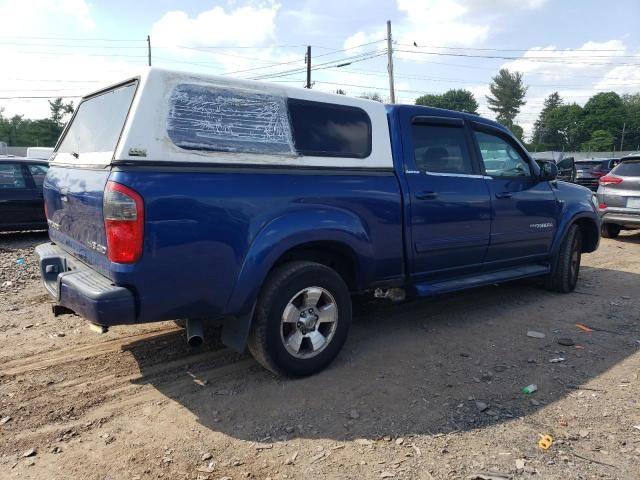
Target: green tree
459,100
565,124
544,137
59,110
601,141
518,131
631,103
604,111
507,96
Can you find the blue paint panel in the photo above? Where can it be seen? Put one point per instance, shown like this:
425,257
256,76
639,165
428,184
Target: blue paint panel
204,230
74,202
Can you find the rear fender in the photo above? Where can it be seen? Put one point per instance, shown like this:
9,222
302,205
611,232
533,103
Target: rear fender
290,230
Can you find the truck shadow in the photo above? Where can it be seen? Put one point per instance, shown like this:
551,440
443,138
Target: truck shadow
416,368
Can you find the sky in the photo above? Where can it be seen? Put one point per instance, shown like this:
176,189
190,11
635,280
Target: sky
69,48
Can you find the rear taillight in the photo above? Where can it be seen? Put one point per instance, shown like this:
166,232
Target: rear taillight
123,211
46,211
602,206
609,180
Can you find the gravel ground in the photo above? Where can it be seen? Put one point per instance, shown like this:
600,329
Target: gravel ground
424,390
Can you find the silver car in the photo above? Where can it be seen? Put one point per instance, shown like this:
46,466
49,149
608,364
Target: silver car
619,197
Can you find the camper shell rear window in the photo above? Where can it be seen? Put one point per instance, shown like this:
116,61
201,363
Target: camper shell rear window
98,123
213,118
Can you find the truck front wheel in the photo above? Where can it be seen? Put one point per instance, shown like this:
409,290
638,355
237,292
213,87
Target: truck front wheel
302,319
565,265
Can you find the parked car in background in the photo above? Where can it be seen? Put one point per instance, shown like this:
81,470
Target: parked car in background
21,200
619,197
42,153
588,172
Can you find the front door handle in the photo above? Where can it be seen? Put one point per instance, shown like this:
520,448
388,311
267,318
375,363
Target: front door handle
426,195
503,195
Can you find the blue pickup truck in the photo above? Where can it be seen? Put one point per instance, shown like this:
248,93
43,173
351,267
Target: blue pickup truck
184,196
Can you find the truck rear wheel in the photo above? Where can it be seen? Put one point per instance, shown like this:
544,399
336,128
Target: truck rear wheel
302,319
610,230
565,266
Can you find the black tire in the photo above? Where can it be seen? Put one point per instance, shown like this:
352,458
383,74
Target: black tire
266,340
610,230
565,266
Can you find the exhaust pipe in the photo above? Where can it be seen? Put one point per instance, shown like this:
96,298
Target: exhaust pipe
195,333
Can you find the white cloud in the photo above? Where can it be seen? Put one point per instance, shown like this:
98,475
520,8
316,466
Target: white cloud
492,6
247,25
591,56
440,22
352,42
40,17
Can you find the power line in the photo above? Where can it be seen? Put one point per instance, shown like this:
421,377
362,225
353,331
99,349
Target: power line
541,49
61,54
40,96
282,63
530,59
455,80
79,39
68,46
321,66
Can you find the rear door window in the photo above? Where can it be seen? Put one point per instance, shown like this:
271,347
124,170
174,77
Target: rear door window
12,176
97,124
440,149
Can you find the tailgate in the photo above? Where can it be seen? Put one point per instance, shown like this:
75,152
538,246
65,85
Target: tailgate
79,171
73,199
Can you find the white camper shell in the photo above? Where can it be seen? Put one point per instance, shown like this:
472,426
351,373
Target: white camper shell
168,116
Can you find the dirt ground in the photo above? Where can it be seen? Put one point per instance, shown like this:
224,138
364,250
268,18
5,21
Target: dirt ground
424,390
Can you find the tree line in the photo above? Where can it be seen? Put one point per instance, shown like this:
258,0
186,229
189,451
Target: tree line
608,121
23,132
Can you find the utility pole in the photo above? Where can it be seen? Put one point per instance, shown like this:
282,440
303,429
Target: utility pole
624,126
392,91
307,60
149,48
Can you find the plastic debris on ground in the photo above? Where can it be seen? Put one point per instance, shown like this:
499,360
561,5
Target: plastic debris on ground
545,442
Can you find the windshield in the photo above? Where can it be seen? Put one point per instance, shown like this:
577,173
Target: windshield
98,122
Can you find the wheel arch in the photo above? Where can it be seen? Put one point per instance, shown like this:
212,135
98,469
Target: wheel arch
589,228
333,237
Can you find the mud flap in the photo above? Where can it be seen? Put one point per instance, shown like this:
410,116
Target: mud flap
235,331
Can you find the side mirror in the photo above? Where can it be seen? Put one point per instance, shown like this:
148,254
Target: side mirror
548,171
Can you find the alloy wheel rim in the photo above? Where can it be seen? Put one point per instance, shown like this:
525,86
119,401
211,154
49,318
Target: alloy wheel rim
309,322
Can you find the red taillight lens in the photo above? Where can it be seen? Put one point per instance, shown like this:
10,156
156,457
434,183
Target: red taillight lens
609,180
602,206
46,210
123,211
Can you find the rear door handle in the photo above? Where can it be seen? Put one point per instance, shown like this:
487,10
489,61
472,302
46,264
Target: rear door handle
503,195
426,195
